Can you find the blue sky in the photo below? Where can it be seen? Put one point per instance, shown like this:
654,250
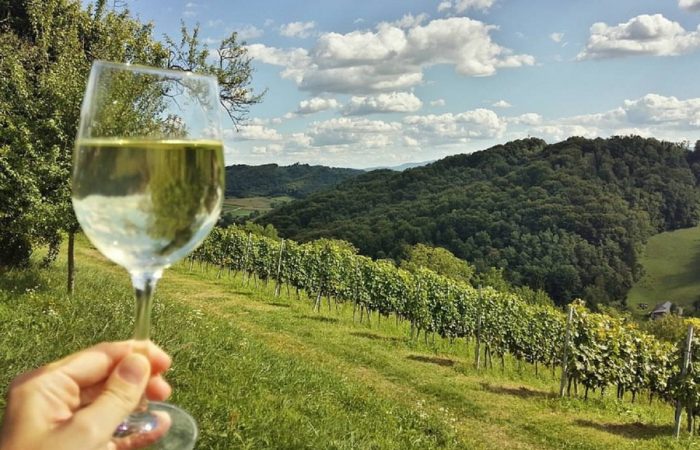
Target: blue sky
367,83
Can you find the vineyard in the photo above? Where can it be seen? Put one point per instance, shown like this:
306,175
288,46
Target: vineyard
597,351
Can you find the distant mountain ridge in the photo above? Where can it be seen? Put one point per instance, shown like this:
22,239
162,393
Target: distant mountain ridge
401,167
270,180
571,218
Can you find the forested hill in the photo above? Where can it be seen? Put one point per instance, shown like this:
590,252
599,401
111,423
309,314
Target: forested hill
269,180
570,218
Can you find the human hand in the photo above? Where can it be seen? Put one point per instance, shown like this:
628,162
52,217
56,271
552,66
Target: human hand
78,401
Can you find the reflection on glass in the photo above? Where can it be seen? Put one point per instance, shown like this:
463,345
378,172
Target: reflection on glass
148,183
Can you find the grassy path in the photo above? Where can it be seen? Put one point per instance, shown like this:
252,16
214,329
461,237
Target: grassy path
265,372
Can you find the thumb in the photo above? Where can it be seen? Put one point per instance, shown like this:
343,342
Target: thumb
122,393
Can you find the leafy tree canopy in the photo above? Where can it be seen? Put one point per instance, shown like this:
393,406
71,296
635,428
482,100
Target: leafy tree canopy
46,50
269,180
570,219
439,260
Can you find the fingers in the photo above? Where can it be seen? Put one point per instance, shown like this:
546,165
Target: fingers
94,364
122,393
157,389
87,394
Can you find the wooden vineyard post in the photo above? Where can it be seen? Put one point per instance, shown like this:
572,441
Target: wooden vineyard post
245,258
565,352
477,356
279,269
684,370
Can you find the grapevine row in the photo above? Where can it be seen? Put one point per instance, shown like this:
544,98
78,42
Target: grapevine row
602,351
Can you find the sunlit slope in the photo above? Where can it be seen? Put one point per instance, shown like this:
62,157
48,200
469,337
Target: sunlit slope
259,371
672,271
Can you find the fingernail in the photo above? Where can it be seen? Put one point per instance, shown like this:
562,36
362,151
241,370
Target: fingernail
133,368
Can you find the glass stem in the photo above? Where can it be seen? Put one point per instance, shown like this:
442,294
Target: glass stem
144,286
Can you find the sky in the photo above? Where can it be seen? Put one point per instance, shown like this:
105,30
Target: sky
384,82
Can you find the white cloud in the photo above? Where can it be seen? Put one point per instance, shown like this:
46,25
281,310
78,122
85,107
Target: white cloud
190,8
658,109
300,139
410,142
360,141
247,32
689,5
556,37
476,124
392,58
556,133
295,61
444,6
650,115
345,131
438,102
256,132
317,104
268,22
410,21
464,5
526,119
297,29
383,103
215,23
641,35
460,6
350,137
267,150
626,131
501,104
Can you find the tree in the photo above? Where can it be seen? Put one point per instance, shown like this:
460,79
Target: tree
494,278
259,230
47,48
58,41
439,260
231,68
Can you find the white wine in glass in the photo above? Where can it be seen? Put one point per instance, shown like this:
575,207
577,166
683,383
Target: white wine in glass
148,183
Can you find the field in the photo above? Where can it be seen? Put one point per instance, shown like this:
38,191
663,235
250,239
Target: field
672,271
259,371
243,207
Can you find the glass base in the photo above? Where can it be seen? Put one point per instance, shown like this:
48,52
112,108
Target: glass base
162,427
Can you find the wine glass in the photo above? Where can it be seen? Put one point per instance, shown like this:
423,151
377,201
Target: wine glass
148,180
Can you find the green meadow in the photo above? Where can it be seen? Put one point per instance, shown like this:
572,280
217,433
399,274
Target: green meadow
244,207
259,371
672,272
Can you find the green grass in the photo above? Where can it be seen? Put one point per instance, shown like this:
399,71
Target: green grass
672,271
243,207
264,372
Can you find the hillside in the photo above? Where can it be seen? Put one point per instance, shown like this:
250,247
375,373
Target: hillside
271,180
671,263
571,218
258,371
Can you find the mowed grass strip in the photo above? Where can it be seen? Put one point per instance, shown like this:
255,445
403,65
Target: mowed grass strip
246,205
671,264
259,371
